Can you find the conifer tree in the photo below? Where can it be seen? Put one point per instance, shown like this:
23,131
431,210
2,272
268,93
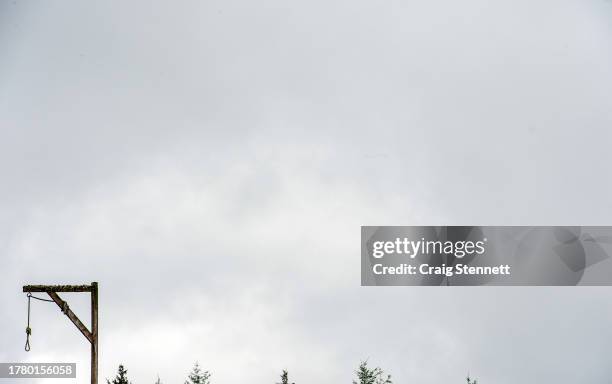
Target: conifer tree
198,376
121,376
285,377
367,375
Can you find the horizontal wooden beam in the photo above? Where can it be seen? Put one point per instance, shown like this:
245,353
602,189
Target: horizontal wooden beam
68,312
57,288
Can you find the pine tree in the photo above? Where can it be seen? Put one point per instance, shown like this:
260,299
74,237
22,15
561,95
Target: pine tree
197,376
121,376
285,377
470,381
367,375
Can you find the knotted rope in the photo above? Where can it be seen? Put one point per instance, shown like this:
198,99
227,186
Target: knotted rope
28,329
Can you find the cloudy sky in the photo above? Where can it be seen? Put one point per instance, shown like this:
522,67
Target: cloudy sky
210,163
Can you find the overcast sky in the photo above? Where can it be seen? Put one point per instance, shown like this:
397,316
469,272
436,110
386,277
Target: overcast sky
210,163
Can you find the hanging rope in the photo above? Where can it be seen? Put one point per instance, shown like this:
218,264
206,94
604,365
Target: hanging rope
28,329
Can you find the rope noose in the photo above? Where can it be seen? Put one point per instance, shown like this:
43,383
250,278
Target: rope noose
28,329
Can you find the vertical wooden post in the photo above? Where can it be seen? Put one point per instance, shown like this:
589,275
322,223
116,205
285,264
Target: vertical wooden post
94,333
